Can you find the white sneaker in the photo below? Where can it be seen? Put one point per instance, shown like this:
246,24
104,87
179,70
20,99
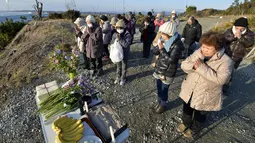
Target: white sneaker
117,81
122,82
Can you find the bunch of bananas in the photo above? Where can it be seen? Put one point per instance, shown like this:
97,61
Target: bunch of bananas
68,130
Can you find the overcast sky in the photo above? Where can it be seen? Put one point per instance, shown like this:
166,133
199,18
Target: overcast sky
117,5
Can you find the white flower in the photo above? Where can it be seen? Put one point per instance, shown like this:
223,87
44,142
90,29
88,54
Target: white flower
65,104
71,57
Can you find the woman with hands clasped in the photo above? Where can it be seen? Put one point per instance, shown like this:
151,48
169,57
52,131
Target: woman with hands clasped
208,69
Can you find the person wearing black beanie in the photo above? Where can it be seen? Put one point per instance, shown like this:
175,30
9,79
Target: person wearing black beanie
236,41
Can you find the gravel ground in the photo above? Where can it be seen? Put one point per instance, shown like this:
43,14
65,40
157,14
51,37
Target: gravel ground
234,124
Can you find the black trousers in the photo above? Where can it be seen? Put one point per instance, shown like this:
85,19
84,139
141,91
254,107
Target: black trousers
96,63
146,49
106,50
193,118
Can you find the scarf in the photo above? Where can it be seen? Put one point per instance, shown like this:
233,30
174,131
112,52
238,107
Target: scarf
168,43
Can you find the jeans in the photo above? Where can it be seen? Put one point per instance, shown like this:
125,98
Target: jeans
162,92
193,118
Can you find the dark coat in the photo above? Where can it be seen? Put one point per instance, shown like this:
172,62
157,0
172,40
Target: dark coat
236,48
93,39
148,34
192,33
167,62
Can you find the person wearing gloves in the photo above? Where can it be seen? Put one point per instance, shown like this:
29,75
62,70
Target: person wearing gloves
169,52
191,33
107,36
174,18
147,36
207,69
158,22
81,25
93,39
124,38
238,39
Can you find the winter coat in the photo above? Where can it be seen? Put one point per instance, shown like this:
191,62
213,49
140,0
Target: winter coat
93,39
158,23
167,62
203,86
107,35
80,43
236,48
125,42
148,34
192,33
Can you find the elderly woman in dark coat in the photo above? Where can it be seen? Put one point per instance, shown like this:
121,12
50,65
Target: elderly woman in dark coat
93,39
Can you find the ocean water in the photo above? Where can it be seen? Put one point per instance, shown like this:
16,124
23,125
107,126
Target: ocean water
15,16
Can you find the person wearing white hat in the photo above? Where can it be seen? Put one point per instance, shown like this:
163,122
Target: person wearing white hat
158,22
169,52
93,39
174,18
81,25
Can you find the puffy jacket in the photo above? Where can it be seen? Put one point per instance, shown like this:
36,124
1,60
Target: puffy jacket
236,48
167,62
107,35
203,86
93,39
192,33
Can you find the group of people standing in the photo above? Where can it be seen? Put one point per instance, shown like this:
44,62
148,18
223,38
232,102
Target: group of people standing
94,38
207,69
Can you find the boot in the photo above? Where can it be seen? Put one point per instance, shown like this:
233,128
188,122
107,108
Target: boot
154,108
188,133
161,109
181,128
99,72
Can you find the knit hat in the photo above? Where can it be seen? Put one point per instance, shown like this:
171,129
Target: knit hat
114,20
103,17
121,24
169,28
243,22
79,21
91,19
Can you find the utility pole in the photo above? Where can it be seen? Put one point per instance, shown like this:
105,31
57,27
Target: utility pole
123,6
186,3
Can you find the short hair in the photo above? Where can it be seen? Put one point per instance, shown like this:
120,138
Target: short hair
147,19
212,39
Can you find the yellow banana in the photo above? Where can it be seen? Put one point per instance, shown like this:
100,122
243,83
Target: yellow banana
69,123
72,127
60,140
73,135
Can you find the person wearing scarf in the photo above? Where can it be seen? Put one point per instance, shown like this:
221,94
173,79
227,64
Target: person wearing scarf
169,51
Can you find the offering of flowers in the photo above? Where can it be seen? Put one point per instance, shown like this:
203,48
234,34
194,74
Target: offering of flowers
65,61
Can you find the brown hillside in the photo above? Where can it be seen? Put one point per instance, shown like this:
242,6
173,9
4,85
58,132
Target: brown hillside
26,57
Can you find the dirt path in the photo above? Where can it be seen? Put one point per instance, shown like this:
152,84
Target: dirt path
235,123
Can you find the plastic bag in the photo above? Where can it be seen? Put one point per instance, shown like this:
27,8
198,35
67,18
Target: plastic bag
116,52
